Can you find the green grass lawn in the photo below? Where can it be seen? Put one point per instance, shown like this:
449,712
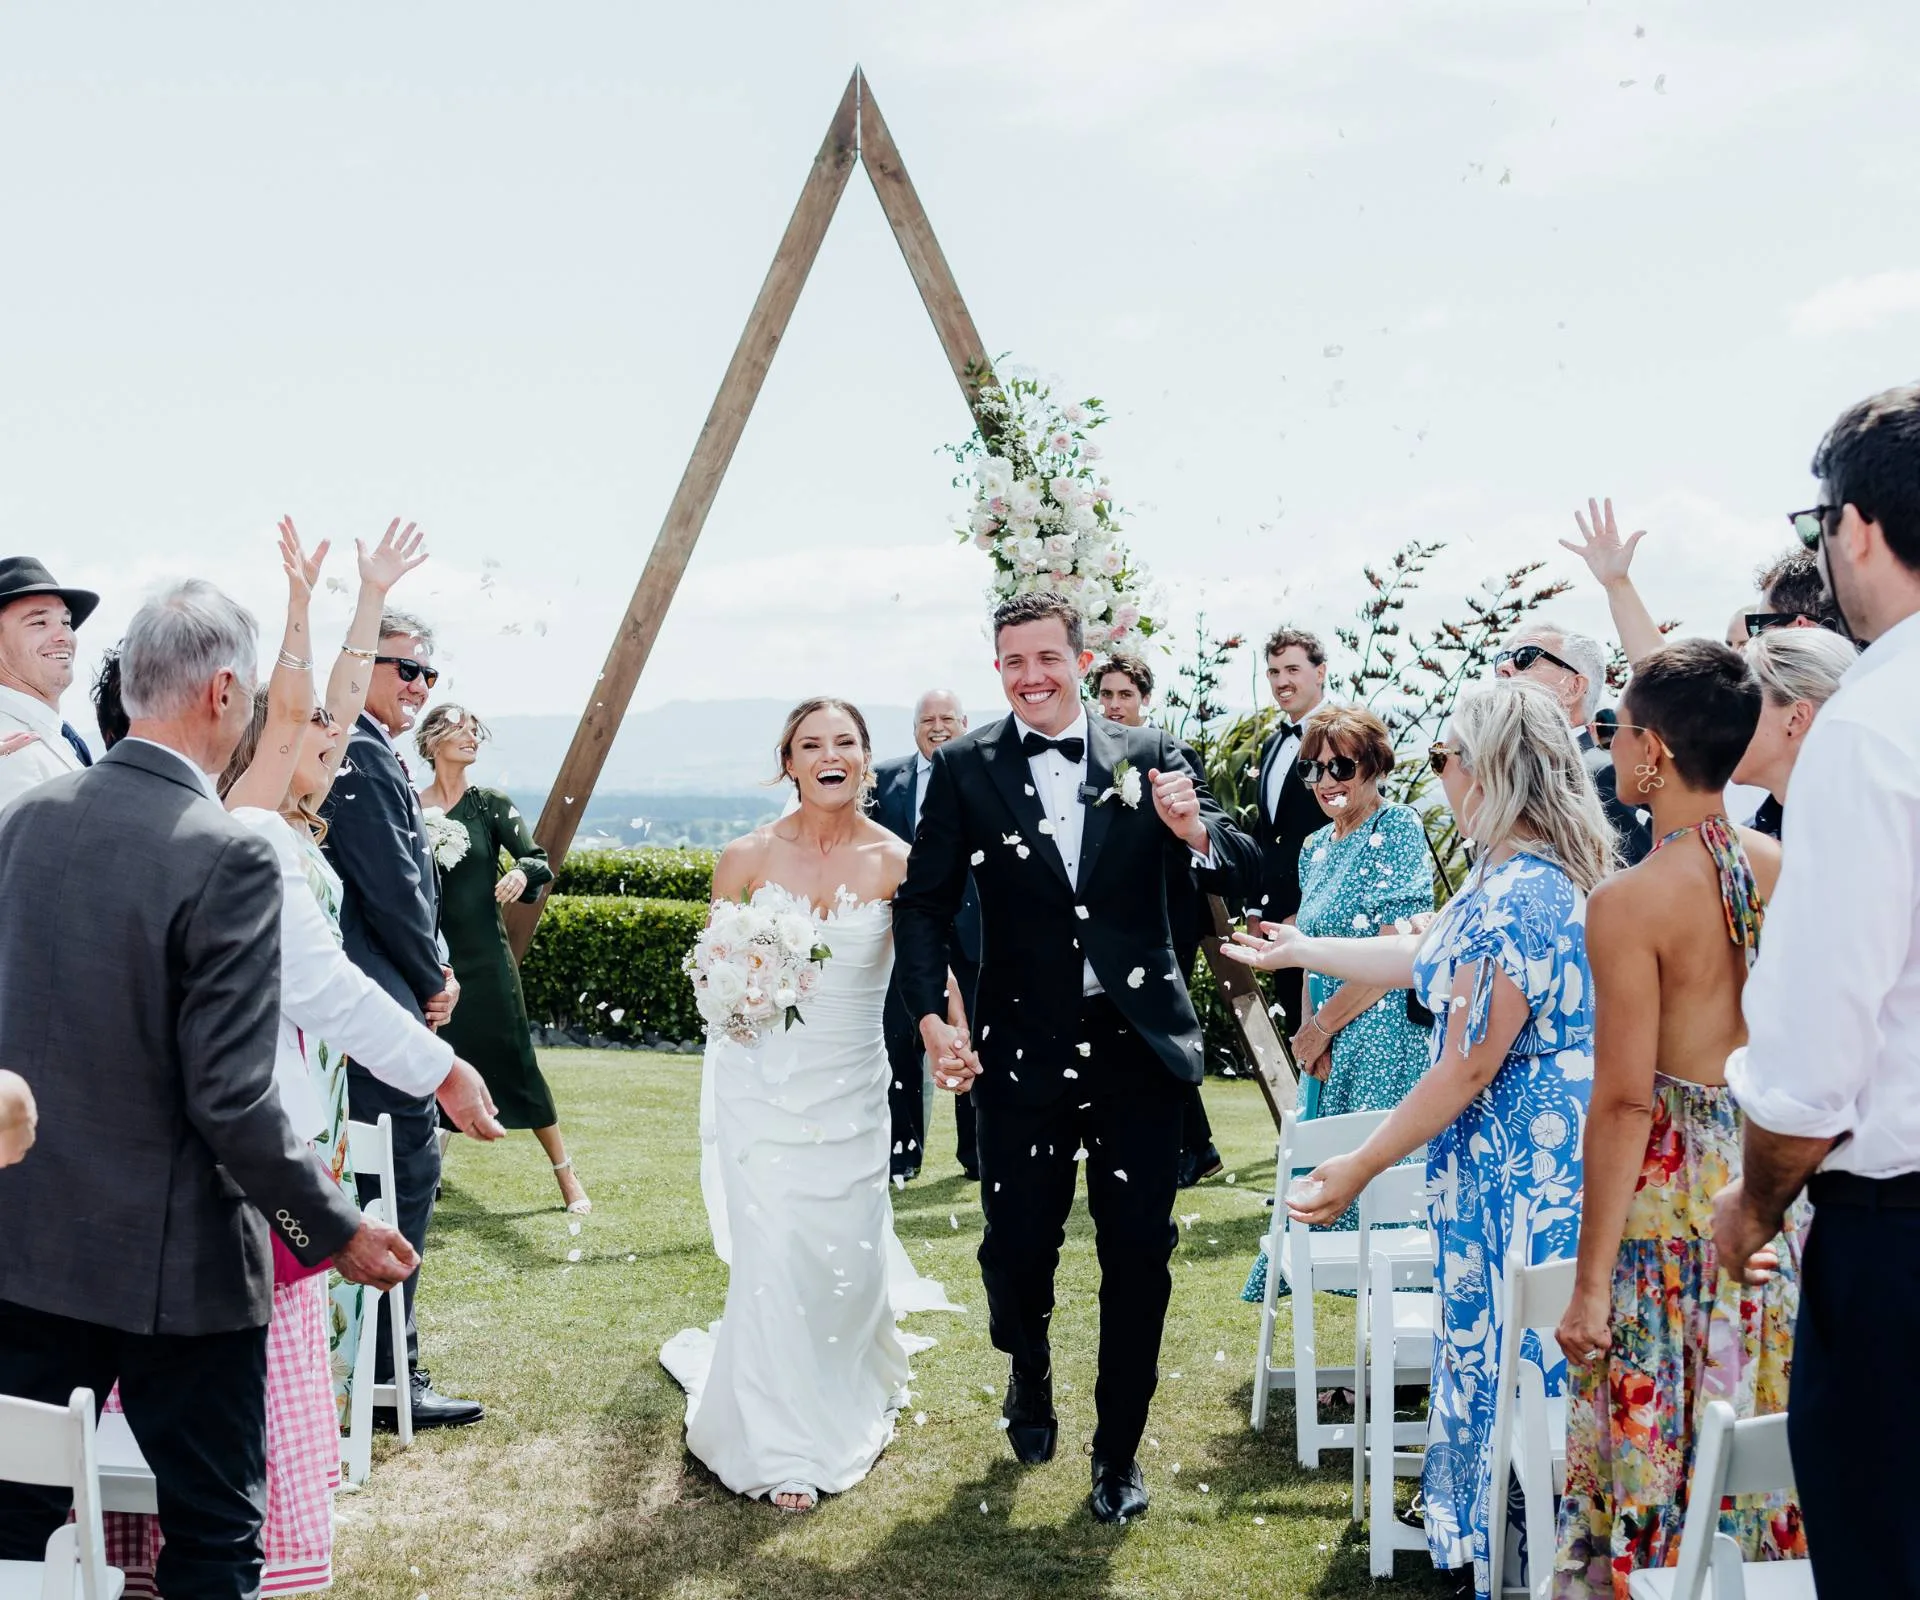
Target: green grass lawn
578,1485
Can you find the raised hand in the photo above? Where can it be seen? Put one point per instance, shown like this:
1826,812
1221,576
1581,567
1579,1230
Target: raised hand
302,570
1177,803
398,553
1277,945
1607,555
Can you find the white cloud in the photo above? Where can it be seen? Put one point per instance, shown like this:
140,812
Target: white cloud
1855,305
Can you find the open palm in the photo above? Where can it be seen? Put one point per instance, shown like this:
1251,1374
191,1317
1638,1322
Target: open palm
399,551
302,570
1607,555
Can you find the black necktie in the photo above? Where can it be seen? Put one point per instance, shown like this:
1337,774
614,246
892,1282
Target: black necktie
79,744
1033,744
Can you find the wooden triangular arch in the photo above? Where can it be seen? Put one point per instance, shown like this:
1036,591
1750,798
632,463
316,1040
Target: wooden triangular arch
857,132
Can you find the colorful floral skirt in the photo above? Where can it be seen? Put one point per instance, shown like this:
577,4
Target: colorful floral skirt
1683,1336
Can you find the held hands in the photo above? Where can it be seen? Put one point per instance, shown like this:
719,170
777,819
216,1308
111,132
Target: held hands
302,570
1742,1241
511,887
1607,556
1280,947
398,553
378,1256
1178,804
463,1096
950,1053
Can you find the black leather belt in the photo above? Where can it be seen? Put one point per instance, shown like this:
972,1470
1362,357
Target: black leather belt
1902,1190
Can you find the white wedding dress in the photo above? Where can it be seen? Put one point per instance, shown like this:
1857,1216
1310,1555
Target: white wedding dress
799,1380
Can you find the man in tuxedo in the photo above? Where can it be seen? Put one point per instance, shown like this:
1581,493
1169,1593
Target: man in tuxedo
1086,1036
390,926
1123,689
141,1001
899,791
1288,812
38,619
1573,669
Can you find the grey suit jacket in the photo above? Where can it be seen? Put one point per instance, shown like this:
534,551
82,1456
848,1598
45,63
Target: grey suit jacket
140,999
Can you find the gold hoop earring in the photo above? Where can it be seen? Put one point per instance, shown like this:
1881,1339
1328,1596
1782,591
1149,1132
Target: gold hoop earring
1650,778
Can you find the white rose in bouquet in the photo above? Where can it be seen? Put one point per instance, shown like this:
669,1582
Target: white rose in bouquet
994,476
796,933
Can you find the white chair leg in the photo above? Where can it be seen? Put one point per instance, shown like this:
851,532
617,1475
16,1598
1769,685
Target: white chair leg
1306,1373
1379,1444
1263,1362
402,1374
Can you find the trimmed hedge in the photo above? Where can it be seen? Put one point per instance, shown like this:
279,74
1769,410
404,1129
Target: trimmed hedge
611,964
648,872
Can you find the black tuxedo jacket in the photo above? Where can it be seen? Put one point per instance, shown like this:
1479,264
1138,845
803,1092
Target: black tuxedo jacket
982,814
377,842
891,805
1281,833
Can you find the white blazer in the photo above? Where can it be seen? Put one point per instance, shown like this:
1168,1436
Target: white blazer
324,996
49,756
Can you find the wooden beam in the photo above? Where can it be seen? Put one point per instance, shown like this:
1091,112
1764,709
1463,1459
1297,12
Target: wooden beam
1267,1052
687,515
939,293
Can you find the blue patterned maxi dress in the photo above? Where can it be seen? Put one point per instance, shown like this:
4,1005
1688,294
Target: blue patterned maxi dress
1506,1172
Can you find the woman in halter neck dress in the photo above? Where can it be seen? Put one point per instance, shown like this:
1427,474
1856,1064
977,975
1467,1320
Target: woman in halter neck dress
793,1392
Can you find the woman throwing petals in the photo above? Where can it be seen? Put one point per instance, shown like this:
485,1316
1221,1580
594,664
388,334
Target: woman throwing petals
1501,1109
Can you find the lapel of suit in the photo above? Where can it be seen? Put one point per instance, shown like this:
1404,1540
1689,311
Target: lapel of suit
1007,767
1267,759
900,798
1106,747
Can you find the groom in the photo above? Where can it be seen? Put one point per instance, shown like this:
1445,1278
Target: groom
1086,1039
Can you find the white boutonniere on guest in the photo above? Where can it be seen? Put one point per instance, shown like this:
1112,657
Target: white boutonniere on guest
448,840
1126,784
755,964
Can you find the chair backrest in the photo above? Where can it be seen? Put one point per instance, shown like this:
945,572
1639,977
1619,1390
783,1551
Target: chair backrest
1733,1457
1538,1296
370,1146
1305,1144
1397,1195
51,1447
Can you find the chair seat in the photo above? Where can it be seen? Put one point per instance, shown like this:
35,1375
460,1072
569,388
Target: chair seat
126,1481
1336,1256
1764,1580
21,1580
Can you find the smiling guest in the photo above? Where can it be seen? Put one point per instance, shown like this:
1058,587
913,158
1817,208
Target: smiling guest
898,793
1799,671
37,623
1297,680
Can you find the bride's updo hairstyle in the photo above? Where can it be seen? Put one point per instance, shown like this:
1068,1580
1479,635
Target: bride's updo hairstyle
1515,744
806,708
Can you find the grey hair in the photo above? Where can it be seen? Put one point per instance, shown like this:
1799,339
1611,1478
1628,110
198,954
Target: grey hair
1584,655
177,642
1516,745
395,623
1795,664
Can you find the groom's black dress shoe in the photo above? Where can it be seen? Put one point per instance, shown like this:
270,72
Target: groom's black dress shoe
1032,1428
1119,1491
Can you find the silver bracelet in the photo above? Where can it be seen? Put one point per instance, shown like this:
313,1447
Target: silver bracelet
297,663
364,655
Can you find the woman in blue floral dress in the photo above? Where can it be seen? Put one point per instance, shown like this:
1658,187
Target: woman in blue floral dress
1502,1109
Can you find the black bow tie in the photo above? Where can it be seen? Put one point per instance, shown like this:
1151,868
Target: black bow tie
1289,730
1033,744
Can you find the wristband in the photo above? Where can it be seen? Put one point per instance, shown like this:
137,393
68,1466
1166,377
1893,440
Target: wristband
364,655
297,663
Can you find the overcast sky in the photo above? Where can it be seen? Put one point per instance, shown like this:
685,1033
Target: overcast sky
1347,274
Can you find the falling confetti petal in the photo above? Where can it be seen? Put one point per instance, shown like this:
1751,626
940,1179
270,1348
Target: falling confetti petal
954,1221
574,1229
979,856
1333,350
1136,977
573,1255
1119,1174
1084,1049
983,1508
1080,912
1219,1356
919,1419
1259,1522
1660,84
1205,1490
1068,1072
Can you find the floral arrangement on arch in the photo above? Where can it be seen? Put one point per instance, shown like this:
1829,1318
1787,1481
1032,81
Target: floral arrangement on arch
1045,513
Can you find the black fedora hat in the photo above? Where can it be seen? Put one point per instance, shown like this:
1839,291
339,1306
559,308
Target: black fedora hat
21,576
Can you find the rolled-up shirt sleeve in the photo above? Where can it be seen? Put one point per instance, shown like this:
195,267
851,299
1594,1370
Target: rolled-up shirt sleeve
1837,936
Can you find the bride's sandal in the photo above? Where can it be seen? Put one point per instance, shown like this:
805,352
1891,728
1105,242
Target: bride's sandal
805,1496
580,1207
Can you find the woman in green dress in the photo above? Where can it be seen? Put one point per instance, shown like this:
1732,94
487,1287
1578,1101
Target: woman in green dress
469,830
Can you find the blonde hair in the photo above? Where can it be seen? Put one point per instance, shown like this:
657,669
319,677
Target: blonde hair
442,721
805,709
1795,664
1515,744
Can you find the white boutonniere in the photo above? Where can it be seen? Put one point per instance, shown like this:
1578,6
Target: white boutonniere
1126,784
447,839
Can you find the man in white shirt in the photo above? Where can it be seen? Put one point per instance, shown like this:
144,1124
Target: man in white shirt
1830,1077
37,622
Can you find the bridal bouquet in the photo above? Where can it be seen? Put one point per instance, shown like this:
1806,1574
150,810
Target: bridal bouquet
1045,515
448,840
753,964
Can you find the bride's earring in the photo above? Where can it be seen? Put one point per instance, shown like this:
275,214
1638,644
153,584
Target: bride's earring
1649,777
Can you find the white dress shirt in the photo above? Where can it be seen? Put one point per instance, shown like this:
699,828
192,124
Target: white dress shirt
49,756
326,997
1058,782
1833,1003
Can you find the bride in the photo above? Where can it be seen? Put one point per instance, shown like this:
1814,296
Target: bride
793,1392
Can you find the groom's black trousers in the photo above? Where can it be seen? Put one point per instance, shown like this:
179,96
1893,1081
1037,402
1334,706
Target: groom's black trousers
1124,1107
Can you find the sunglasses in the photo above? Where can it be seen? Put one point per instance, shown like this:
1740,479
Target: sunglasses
1342,769
1525,657
409,669
1759,622
1812,524
1438,756
321,718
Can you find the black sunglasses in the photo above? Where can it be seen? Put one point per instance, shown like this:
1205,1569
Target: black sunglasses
1811,524
1341,769
1525,656
409,669
1759,622
321,718
1438,756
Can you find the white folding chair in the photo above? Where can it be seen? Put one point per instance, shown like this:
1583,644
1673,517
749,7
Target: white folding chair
126,1481
1734,1457
1309,1260
51,1447
371,1149
1529,1427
